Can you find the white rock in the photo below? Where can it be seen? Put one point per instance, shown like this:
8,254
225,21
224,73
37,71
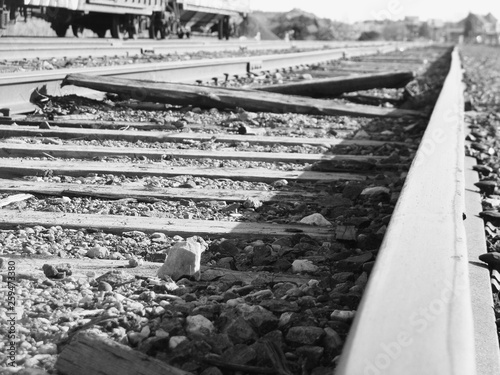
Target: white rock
98,252
303,265
161,333
158,237
198,325
285,318
116,256
361,134
375,191
175,341
344,315
280,183
134,306
235,302
135,262
135,337
183,259
145,331
316,219
48,348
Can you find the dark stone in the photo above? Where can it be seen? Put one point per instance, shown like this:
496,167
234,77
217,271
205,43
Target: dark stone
342,277
323,371
156,257
339,256
368,266
49,271
226,262
354,263
240,331
211,371
280,305
486,186
226,248
240,354
229,295
368,241
174,326
359,222
335,200
306,301
303,238
352,190
261,319
219,342
283,242
492,259
312,354
115,277
189,185
332,342
262,255
280,289
209,311
282,265
305,335
244,290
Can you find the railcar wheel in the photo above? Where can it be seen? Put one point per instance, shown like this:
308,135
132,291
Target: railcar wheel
77,31
117,29
60,30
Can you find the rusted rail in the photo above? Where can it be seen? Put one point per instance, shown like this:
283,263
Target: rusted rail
415,316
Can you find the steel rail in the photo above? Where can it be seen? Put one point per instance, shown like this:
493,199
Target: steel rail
15,50
16,88
415,316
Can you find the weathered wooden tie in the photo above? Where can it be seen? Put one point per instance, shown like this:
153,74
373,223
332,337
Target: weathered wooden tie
223,98
12,169
159,136
330,87
183,227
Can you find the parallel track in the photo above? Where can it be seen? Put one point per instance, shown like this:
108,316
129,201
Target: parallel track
416,315
16,88
48,48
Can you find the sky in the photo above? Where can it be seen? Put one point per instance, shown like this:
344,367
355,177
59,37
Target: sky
359,10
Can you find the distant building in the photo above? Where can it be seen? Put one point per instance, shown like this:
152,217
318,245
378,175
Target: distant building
475,29
412,25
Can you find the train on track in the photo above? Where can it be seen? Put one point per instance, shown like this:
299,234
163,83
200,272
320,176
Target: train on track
129,18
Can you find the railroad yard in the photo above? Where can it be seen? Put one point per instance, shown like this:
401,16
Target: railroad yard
253,223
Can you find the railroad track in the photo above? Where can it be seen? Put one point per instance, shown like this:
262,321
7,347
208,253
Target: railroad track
16,87
416,314
12,48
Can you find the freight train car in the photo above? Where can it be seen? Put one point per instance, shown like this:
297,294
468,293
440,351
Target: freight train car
130,17
208,15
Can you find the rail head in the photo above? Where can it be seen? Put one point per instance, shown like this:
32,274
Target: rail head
415,316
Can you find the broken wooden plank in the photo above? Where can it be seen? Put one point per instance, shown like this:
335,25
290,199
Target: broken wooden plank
371,99
143,193
223,98
16,198
90,354
158,136
118,224
89,152
330,87
21,168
